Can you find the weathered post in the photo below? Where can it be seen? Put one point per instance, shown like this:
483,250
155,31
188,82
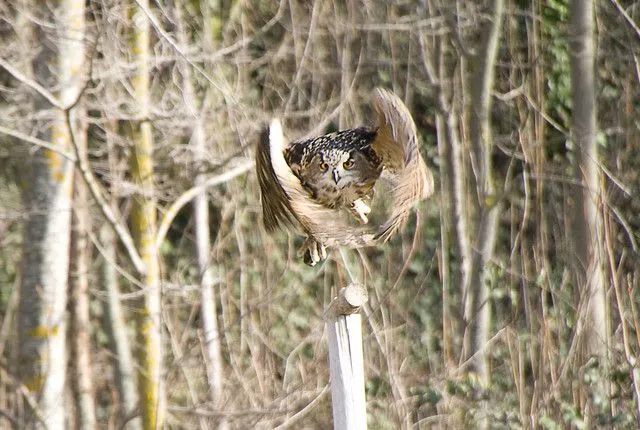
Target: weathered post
344,329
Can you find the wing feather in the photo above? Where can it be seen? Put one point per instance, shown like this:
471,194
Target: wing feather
276,208
397,144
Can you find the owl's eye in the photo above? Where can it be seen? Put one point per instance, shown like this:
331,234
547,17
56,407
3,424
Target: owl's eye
348,164
324,166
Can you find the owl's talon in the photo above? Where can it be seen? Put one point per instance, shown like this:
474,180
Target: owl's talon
312,252
361,210
323,252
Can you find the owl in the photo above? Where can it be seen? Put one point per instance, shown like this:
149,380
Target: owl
304,184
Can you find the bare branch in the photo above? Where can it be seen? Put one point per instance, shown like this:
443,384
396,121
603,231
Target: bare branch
191,193
37,142
304,411
154,21
17,74
25,392
626,16
94,188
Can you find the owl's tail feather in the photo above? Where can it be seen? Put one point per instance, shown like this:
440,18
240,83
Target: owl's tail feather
397,143
286,203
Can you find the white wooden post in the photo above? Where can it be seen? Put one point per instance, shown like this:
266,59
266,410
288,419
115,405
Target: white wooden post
344,329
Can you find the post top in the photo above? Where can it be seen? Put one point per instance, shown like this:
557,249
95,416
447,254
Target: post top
349,300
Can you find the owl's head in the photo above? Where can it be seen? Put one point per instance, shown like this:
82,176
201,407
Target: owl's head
337,168
340,164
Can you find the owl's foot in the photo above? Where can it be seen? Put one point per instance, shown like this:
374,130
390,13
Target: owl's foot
360,209
312,252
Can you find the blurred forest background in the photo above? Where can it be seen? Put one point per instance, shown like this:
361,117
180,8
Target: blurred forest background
138,288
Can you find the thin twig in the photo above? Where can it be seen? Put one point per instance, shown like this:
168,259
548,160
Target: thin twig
10,309
94,188
626,17
191,193
26,393
31,84
80,160
13,420
37,142
154,22
304,411
82,164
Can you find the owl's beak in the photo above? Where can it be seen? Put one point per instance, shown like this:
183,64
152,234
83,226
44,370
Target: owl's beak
336,176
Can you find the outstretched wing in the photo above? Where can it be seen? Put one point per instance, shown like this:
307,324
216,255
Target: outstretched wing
276,207
397,144
286,203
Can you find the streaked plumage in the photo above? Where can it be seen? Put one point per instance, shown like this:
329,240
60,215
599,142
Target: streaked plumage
337,186
303,183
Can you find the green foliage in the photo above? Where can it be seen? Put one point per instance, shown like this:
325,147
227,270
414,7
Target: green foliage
10,241
555,16
9,263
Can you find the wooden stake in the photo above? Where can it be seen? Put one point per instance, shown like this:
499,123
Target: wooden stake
344,328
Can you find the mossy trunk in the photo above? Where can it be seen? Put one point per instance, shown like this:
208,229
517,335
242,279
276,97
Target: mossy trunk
143,222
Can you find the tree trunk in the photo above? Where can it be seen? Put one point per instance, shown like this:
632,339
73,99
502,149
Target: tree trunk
151,393
213,359
587,227
485,206
43,299
79,322
208,312
124,374
448,150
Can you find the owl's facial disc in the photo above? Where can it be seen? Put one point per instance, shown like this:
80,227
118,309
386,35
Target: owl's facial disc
340,166
335,169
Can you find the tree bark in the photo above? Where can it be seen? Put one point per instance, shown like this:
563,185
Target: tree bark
448,139
43,299
485,206
80,340
124,373
587,231
151,392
